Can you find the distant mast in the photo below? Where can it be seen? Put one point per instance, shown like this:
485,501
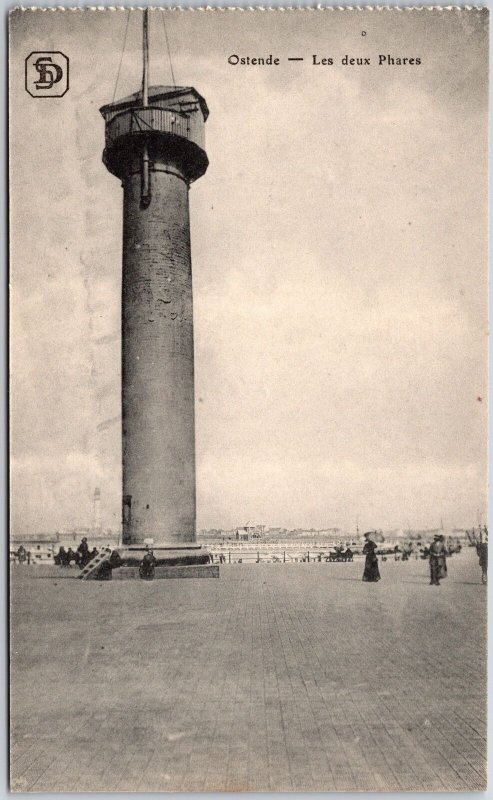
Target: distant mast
145,185
96,517
145,58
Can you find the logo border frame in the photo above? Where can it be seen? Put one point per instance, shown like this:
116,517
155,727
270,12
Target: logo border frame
46,96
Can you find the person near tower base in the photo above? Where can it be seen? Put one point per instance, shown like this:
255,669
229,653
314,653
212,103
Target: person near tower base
61,557
105,572
147,566
83,551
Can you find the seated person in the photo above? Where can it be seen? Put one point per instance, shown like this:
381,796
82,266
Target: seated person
147,566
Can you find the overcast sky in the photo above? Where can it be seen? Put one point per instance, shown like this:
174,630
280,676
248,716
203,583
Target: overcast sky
339,268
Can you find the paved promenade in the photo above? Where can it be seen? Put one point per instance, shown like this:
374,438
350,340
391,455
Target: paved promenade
274,677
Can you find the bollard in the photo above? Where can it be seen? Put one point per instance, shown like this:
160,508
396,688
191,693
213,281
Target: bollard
229,557
284,557
308,556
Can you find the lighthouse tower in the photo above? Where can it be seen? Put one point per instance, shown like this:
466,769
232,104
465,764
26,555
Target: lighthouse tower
155,145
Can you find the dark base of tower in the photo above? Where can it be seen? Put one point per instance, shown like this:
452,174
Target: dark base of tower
170,561
161,572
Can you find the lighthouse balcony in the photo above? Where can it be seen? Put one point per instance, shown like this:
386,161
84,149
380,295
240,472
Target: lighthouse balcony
153,118
169,132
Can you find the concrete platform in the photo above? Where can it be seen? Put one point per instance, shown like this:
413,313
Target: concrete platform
165,555
280,677
194,571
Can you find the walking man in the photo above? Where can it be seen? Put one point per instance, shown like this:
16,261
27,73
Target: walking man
437,553
442,572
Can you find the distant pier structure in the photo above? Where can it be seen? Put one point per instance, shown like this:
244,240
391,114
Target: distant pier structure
154,144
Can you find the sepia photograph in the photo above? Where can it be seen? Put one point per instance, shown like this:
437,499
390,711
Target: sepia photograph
248,339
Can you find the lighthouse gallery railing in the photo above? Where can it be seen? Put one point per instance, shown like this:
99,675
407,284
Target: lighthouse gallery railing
155,119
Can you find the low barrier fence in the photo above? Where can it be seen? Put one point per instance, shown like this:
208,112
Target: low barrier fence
237,556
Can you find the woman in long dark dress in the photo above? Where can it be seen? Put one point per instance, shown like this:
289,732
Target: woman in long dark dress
371,572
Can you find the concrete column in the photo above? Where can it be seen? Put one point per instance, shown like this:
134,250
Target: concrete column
157,360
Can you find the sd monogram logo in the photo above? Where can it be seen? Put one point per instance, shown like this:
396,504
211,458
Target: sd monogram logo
47,74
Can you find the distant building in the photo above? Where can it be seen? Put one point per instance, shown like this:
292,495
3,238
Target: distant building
250,531
426,534
39,545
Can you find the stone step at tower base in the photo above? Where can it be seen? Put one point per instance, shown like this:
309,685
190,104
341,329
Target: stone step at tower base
192,571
